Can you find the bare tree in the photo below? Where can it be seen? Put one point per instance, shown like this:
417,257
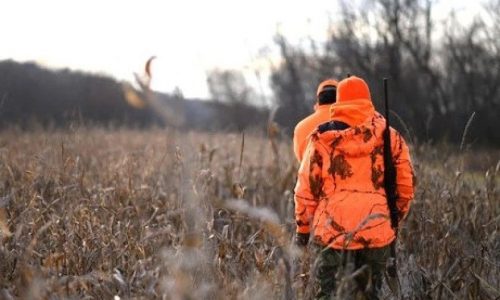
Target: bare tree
229,86
437,82
472,56
294,82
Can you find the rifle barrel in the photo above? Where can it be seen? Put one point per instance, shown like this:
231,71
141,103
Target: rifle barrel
386,100
389,168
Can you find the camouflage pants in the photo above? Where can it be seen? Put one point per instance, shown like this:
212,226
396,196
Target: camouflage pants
350,273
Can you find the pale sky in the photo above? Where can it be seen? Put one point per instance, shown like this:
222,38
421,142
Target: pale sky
116,37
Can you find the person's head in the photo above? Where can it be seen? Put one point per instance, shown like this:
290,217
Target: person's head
351,89
327,92
354,105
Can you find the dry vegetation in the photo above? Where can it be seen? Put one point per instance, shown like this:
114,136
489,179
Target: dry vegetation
160,214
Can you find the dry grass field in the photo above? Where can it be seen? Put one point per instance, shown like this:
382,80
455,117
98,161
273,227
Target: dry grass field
102,214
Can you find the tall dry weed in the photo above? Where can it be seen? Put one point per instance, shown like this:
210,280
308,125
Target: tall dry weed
92,213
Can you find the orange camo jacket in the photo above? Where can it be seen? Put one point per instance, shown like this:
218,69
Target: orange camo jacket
340,196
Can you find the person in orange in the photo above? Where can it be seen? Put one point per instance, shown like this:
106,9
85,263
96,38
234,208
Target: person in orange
325,96
339,196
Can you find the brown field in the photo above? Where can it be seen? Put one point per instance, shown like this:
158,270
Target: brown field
95,214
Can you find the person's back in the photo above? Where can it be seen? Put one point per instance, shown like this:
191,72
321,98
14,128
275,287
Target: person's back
340,197
326,95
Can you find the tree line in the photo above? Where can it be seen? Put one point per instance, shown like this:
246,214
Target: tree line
442,76
32,96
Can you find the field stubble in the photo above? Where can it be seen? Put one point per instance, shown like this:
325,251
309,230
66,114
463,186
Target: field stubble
164,214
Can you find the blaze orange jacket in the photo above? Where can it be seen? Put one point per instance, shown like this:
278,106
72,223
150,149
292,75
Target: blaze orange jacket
340,196
305,127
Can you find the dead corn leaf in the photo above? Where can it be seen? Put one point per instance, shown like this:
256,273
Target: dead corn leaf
4,229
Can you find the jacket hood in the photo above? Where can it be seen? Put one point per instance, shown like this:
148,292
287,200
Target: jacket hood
357,140
352,88
354,105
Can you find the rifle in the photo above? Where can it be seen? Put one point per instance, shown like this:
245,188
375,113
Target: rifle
390,184
389,169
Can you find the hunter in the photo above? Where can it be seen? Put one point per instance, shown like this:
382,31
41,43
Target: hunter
340,199
325,96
